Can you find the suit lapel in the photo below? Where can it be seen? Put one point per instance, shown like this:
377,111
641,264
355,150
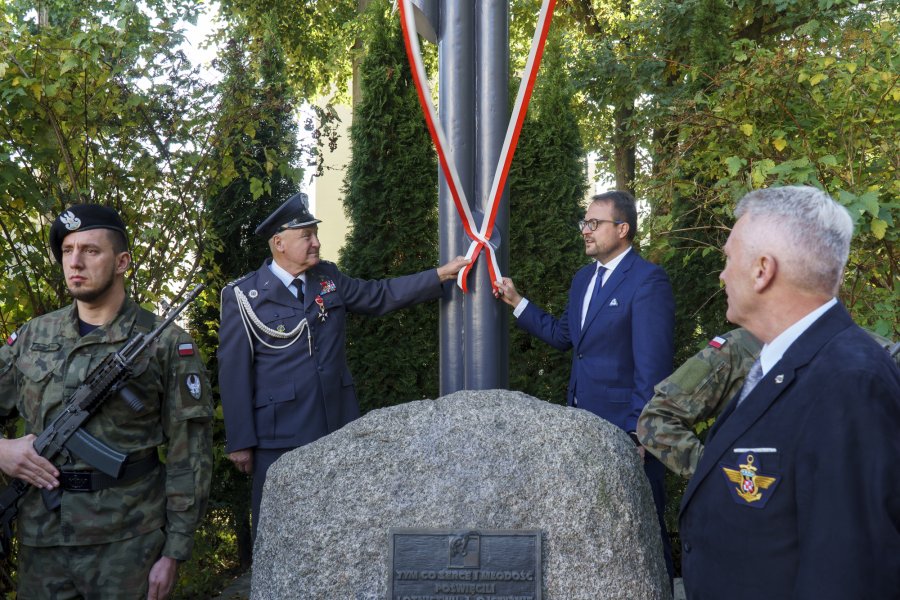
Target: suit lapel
272,290
312,288
576,297
734,422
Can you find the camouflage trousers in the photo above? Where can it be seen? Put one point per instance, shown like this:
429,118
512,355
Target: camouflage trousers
114,571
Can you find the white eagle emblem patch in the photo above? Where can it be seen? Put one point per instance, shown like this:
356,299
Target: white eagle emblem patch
192,382
70,220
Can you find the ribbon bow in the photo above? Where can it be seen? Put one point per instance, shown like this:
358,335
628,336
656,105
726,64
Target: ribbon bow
480,236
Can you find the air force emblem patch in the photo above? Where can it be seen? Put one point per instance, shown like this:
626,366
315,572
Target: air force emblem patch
753,488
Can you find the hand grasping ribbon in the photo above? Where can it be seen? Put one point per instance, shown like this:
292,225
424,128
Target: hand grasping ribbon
480,236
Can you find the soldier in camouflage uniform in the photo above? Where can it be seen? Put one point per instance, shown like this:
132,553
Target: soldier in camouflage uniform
108,538
698,390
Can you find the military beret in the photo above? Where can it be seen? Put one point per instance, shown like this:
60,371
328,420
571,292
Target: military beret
293,214
82,217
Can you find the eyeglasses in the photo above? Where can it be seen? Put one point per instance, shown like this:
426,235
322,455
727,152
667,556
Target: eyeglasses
593,224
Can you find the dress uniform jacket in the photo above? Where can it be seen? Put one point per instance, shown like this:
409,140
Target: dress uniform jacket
797,494
45,361
280,398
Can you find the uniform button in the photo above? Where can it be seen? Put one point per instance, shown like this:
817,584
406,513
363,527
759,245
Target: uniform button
321,369
686,546
580,356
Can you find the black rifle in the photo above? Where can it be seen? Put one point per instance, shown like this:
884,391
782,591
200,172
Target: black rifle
103,382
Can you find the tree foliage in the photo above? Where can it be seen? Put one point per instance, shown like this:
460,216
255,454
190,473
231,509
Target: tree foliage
819,109
732,96
98,104
318,39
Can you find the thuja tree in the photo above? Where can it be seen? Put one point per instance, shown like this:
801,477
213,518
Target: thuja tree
547,183
391,202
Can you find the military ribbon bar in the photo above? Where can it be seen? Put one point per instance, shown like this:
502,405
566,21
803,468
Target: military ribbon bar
480,236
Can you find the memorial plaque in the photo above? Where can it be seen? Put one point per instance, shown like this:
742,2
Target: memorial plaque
464,564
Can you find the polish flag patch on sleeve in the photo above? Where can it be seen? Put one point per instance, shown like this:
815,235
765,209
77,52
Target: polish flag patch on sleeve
717,342
12,339
185,349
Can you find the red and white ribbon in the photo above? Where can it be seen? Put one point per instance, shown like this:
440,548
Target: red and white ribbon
480,236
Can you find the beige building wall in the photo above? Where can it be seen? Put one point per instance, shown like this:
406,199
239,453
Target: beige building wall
326,196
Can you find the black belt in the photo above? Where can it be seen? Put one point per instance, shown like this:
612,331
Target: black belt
92,481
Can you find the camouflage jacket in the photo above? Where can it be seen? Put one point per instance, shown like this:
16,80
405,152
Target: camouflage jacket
697,391
43,363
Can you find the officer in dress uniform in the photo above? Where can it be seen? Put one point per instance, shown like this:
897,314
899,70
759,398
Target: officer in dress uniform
283,373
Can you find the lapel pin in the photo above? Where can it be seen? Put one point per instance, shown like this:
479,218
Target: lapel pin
779,378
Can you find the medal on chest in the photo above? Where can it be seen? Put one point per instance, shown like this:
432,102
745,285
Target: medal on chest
323,314
328,286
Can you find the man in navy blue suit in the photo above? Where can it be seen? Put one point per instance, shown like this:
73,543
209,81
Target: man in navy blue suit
619,323
283,373
796,494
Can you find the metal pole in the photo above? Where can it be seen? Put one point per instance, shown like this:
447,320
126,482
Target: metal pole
486,356
456,56
473,54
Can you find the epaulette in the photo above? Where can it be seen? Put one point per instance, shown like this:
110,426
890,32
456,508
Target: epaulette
717,342
240,279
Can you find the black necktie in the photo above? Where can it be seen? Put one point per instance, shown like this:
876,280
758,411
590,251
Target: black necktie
298,283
